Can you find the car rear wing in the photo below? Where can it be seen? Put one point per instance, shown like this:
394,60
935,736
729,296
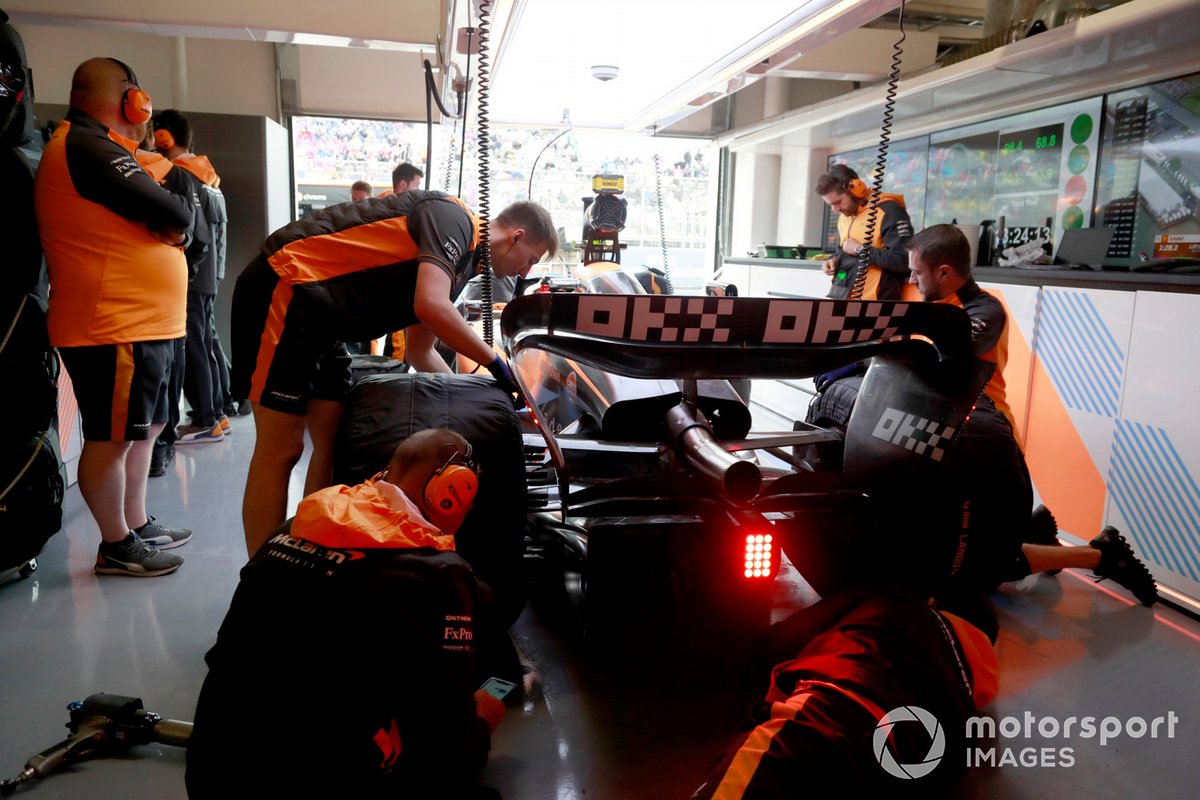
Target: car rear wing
692,337
923,376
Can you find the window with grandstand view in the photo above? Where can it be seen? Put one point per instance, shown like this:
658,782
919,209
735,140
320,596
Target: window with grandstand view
332,153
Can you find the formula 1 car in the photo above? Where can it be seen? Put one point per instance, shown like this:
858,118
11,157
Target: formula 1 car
655,508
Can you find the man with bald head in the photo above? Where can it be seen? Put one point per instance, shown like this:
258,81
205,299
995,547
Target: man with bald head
118,288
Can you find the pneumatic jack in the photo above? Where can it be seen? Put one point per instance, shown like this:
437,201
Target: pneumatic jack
103,724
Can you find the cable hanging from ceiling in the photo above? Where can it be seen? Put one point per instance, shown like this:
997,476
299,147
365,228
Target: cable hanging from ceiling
885,138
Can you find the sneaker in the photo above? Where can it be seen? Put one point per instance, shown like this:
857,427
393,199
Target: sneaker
230,409
161,458
243,408
1043,529
162,537
223,424
1118,563
196,434
135,558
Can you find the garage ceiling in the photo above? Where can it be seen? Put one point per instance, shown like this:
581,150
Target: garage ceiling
673,56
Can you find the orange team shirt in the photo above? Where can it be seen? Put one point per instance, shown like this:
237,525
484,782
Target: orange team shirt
111,281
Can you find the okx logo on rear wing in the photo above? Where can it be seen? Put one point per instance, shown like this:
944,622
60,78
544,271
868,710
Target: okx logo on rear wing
655,336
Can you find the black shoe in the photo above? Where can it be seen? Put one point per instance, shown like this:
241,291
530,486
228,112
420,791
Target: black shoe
162,537
1118,563
161,458
1043,530
135,558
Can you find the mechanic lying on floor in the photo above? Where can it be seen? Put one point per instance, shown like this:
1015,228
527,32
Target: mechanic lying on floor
348,662
844,669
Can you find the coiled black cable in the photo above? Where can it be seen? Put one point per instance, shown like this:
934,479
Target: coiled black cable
450,159
662,224
462,148
485,145
885,138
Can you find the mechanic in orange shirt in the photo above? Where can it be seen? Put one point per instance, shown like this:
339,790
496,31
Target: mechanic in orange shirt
382,613
887,271
347,273
118,284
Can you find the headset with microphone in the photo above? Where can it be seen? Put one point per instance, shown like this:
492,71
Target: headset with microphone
857,189
135,103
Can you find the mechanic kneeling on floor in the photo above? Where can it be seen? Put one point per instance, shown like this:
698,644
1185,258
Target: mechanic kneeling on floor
348,662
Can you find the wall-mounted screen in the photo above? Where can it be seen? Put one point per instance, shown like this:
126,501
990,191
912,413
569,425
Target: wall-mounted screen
1149,183
1036,170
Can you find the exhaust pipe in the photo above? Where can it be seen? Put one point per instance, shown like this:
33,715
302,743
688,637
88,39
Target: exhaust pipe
740,480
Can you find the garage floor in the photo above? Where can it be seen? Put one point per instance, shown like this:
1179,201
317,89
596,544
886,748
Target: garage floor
593,726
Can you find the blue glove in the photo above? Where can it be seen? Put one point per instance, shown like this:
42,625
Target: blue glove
505,380
822,381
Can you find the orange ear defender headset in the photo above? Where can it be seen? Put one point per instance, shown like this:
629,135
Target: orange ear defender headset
857,188
163,139
450,491
135,103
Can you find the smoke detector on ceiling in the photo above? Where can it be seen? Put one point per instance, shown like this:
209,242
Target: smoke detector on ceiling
605,72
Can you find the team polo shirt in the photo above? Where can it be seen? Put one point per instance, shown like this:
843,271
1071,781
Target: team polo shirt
110,280
353,266
989,337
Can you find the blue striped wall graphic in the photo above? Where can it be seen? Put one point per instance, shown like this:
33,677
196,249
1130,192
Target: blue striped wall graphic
1079,352
1157,495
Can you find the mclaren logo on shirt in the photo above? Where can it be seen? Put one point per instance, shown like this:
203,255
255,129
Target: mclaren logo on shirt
297,551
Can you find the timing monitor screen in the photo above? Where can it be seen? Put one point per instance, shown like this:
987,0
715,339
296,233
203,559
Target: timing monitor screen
1036,170
1149,190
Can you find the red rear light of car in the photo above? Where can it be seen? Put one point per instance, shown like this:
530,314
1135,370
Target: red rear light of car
760,556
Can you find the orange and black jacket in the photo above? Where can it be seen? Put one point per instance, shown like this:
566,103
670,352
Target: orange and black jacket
181,183
111,281
989,338
888,261
837,668
191,177
355,635
353,266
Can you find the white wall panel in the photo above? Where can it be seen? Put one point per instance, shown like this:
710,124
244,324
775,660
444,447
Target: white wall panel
1155,468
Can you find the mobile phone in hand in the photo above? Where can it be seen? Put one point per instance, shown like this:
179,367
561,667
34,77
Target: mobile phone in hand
498,687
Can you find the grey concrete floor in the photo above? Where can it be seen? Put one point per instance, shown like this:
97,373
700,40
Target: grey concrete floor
589,727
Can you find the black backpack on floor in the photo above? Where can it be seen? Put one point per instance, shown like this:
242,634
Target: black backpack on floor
32,482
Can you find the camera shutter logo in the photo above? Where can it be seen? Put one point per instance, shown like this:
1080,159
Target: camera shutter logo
887,759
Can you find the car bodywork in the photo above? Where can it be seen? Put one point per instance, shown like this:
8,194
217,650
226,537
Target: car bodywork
649,487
